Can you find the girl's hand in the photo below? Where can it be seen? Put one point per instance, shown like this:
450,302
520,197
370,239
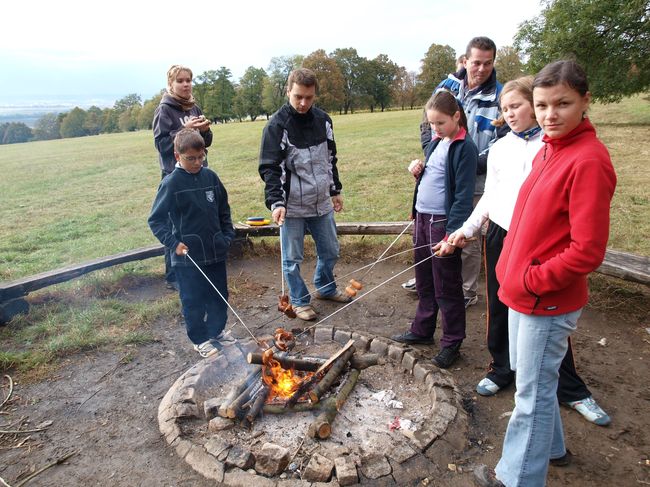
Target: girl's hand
458,239
201,123
415,167
443,249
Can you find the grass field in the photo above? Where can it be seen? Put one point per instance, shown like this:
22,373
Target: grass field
68,201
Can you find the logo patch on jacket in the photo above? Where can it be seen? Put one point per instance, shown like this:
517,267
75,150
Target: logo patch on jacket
209,195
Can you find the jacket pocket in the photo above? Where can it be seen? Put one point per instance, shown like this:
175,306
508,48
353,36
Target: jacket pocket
534,262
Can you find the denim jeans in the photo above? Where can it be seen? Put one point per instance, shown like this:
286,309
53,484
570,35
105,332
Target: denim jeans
205,312
534,434
323,231
438,282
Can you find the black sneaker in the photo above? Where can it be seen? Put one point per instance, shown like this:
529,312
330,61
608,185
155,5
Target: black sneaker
412,339
447,356
563,461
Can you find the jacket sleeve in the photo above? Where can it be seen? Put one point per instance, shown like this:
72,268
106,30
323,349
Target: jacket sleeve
335,185
207,135
225,218
590,193
159,221
464,168
271,165
163,136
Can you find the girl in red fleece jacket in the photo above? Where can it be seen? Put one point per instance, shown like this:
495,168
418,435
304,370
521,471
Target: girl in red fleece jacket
557,236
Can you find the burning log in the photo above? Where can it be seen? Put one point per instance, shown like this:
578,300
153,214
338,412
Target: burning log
322,426
288,362
258,404
237,390
335,371
234,409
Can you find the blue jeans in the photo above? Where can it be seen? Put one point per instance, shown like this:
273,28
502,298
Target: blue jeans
204,311
323,231
534,434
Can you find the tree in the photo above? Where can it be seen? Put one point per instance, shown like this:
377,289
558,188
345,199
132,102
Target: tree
48,127
73,123
94,120
508,64
14,133
609,38
350,64
251,85
378,81
145,117
110,121
218,104
437,63
405,88
275,86
127,102
330,80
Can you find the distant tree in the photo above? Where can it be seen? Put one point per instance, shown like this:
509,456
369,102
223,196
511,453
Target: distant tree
251,86
238,108
94,120
609,38
350,64
202,85
145,117
218,104
73,124
508,64
110,119
275,86
437,63
405,88
48,127
128,120
15,133
378,81
127,102
330,80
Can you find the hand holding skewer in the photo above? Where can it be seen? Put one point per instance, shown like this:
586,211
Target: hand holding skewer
446,248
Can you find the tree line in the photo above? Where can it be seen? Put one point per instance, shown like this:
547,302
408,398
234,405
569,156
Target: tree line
610,38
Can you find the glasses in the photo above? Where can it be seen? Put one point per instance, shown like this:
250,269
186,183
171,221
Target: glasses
193,159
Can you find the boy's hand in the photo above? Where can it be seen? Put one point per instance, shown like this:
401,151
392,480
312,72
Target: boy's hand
415,167
278,215
458,239
443,249
337,201
182,249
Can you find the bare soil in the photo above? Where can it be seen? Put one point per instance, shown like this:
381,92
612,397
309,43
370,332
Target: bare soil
103,404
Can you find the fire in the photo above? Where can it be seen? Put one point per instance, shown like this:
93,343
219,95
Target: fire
281,382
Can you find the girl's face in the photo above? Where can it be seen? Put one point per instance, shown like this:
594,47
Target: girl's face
182,85
517,111
445,126
559,109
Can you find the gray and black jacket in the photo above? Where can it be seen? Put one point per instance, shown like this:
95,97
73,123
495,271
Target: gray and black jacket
168,119
298,162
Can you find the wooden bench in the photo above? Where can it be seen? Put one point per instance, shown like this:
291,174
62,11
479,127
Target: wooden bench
618,264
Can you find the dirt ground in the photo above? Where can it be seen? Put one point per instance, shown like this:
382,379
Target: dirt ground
103,404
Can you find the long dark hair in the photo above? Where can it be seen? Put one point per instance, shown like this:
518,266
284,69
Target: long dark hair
444,102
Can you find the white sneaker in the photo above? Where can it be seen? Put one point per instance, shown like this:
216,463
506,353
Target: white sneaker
206,349
410,285
487,387
591,411
471,301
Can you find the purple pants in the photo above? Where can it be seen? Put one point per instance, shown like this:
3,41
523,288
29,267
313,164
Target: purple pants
439,283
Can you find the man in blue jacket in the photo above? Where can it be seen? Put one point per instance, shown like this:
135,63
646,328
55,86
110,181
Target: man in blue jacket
302,189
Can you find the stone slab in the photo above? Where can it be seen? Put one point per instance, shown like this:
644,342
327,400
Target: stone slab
408,362
342,336
378,346
319,469
205,464
375,467
323,334
346,471
272,459
239,478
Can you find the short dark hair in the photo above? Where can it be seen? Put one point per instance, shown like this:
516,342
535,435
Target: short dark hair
482,43
302,76
188,139
566,72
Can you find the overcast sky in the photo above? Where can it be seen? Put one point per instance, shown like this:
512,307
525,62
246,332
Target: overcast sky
118,47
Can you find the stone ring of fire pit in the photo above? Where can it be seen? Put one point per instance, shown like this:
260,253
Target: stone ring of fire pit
269,454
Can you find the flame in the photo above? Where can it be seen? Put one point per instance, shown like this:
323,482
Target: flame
282,383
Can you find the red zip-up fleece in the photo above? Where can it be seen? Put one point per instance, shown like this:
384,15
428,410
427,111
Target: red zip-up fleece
559,227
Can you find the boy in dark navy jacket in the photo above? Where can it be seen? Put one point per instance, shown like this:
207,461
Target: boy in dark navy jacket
191,215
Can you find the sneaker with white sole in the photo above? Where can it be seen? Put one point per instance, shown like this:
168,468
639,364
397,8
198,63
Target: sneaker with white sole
305,313
206,349
487,387
338,296
591,411
471,301
410,285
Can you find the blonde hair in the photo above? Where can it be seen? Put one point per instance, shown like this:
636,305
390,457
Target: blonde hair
172,73
523,86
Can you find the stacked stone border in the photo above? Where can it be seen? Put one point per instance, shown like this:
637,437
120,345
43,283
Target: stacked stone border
233,466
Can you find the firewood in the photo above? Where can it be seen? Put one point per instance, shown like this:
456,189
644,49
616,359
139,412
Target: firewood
336,370
366,360
258,404
237,390
322,426
234,409
288,362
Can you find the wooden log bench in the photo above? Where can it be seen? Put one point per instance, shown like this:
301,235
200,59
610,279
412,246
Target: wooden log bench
12,293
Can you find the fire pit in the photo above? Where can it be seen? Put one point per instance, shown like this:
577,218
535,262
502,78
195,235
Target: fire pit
368,414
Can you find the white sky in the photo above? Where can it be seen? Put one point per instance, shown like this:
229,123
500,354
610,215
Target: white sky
70,47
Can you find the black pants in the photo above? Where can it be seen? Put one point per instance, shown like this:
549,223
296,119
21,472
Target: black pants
570,386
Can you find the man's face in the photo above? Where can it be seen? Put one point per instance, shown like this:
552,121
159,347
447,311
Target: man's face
479,65
301,97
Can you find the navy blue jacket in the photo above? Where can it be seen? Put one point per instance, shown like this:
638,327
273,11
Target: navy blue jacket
460,178
193,209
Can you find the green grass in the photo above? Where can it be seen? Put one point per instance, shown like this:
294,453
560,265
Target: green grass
68,201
